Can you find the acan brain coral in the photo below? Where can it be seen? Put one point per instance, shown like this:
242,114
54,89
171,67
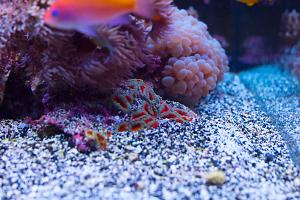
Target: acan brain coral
145,108
195,60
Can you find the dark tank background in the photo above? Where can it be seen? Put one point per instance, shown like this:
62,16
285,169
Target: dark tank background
236,22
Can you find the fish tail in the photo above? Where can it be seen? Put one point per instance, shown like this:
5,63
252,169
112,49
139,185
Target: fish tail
145,8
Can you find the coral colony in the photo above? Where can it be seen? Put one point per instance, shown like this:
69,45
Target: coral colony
175,57
145,107
291,34
195,61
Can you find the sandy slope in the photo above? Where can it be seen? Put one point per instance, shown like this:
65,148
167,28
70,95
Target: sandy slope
236,132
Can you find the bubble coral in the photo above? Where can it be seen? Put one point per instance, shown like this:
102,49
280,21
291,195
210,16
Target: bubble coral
191,77
195,60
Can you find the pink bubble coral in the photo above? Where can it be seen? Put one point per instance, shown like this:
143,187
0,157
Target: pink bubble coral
191,77
195,60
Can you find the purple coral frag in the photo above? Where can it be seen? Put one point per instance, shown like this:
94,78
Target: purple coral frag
81,143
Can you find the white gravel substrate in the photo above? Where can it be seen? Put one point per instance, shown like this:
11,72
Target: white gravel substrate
279,94
232,134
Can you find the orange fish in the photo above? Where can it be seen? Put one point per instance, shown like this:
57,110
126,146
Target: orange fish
85,15
249,2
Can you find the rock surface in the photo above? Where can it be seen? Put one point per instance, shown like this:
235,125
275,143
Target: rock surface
235,133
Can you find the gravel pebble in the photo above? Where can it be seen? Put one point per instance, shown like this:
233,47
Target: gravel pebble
232,134
215,178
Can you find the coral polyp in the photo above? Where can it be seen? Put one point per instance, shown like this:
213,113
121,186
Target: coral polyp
145,108
99,139
190,78
196,61
55,61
